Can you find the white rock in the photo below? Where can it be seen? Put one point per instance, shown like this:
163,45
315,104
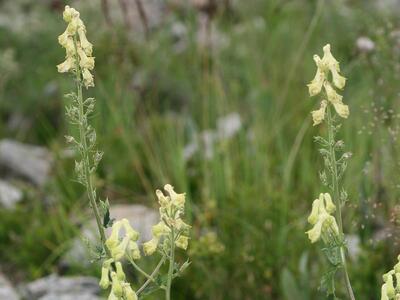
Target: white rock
28,161
7,292
9,195
56,287
140,217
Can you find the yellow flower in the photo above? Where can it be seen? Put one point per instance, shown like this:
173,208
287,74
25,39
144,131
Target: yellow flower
182,226
315,233
77,47
182,242
321,219
151,246
70,13
338,80
330,207
328,60
388,279
86,62
134,250
160,230
85,44
116,286
177,199
325,65
163,200
112,297
336,100
129,231
315,86
105,270
129,293
319,115
87,78
120,271
66,66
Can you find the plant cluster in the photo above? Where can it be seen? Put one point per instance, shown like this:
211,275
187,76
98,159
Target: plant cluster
122,245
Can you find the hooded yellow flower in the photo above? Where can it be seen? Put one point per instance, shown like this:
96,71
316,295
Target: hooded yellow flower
319,115
119,248
324,224
325,66
171,209
390,290
78,48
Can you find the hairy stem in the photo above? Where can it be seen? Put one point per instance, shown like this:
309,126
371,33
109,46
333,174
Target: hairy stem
151,277
85,152
338,202
140,270
171,266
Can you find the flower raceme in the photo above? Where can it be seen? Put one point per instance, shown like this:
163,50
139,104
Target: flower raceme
391,291
78,49
120,289
171,210
122,243
324,224
325,66
125,247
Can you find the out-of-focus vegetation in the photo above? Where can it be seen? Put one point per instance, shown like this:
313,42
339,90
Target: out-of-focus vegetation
162,94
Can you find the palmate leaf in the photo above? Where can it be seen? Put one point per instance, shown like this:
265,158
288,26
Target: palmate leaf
328,282
333,255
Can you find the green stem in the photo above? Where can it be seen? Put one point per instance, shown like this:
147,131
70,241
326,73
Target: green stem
140,270
151,277
336,195
171,266
85,152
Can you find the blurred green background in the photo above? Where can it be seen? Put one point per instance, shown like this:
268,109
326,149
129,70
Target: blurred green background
211,98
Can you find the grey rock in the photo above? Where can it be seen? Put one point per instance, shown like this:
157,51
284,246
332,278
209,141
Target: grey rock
6,289
387,5
65,288
140,217
28,161
9,195
71,296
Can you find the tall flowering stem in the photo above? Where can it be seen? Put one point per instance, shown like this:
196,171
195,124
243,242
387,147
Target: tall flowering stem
122,244
327,227
79,61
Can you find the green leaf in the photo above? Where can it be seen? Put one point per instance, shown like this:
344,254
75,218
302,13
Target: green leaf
333,255
328,282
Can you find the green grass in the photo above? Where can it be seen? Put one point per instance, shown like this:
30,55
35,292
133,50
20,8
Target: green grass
257,189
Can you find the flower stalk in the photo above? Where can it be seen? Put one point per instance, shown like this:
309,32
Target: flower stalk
327,79
170,233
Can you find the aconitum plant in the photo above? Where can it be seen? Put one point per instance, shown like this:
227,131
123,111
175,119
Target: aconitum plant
326,214
122,245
